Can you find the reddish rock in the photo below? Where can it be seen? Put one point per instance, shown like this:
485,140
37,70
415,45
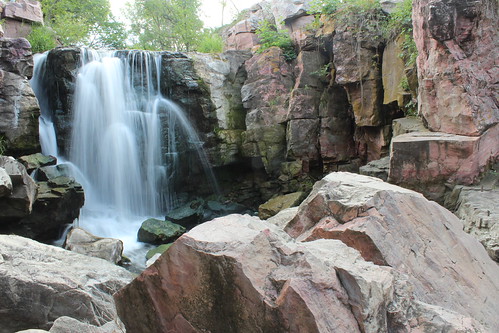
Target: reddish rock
300,34
457,64
372,142
16,57
301,136
309,70
304,104
400,228
432,157
241,274
266,95
24,10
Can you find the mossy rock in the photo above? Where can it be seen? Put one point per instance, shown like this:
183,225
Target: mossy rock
275,205
160,249
154,231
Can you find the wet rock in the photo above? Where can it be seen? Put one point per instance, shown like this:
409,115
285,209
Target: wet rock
155,231
408,125
24,190
254,276
35,161
457,72
53,171
81,241
187,215
19,112
397,227
377,168
57,204
62,67
48,282
275,205
5,183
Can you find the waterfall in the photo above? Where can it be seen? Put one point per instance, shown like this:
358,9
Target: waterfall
125,142
48,138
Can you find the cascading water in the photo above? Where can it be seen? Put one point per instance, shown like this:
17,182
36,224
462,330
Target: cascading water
125,143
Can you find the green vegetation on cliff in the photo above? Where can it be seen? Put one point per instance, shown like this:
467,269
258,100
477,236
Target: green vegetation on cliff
271,36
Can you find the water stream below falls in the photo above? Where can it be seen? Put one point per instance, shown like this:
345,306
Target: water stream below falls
124,142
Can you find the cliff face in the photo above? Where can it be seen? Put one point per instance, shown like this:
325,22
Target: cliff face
19,110
458,47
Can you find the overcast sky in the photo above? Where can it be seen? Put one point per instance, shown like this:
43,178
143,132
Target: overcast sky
211,10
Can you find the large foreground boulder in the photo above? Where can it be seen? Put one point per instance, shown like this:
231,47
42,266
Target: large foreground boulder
41,283
241,274
399,228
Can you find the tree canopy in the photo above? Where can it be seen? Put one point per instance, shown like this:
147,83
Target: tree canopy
78,22
165,24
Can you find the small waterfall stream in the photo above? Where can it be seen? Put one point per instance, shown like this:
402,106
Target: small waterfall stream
124,144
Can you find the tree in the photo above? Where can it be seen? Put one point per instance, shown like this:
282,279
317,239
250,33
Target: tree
165,24
83,22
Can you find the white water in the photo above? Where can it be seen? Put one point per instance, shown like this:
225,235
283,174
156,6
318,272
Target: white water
127,175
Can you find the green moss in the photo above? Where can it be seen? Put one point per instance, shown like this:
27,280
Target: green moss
160,249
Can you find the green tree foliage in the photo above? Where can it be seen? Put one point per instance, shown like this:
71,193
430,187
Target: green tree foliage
210,42
271,36
165,24
42,38
79,22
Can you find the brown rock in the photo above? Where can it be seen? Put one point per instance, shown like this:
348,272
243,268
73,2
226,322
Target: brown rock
359,74
400,228
457,64
393,72
279,203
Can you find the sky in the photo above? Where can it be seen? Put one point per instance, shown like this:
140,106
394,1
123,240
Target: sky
211,10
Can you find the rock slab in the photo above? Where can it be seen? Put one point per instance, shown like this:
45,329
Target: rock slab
397,227
45,283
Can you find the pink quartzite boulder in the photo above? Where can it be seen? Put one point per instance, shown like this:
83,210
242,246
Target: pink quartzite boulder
24,10
433,157
241,274
458,45
393,226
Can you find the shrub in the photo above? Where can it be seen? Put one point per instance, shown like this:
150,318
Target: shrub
41,39
210,42
271,36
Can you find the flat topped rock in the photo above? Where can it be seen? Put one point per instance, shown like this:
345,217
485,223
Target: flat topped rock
156,231
408,125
